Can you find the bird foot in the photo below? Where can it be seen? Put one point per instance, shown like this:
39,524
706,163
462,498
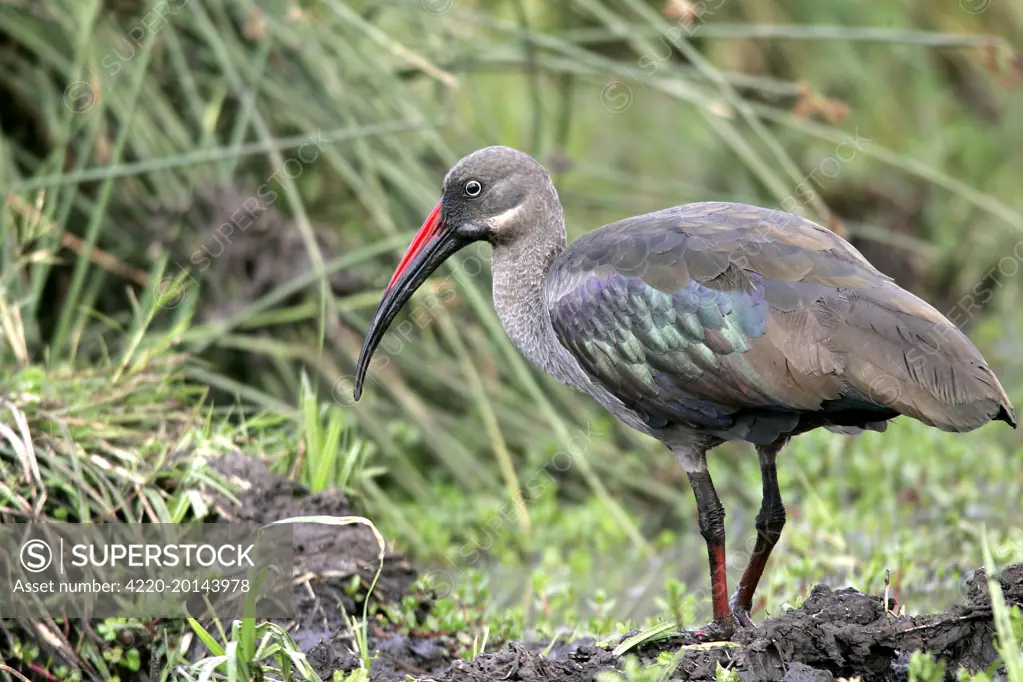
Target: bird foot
714,631
740,613
742,618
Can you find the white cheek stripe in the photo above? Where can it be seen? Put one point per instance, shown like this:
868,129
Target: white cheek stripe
501,219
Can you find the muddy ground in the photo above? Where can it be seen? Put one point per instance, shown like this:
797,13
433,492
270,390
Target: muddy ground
836,633
328,557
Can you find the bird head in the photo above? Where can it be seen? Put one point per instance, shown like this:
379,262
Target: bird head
492,194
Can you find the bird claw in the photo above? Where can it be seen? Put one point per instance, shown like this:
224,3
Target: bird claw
740,613
714,631
741,617
717,631
650,640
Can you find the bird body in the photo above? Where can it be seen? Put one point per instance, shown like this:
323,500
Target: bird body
751,324
701,324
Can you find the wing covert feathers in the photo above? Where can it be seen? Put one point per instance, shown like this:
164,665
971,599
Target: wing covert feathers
742,321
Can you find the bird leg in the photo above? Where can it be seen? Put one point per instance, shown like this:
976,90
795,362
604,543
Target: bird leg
769,523
712,528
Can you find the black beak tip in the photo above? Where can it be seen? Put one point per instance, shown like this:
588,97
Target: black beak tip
360,377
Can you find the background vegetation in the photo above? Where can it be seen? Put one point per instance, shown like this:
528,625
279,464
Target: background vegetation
202,200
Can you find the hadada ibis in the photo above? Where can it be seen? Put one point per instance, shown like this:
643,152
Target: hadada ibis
701,324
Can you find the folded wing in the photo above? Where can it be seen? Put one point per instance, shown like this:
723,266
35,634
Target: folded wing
754,323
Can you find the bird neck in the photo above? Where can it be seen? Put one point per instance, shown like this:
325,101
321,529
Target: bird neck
520,279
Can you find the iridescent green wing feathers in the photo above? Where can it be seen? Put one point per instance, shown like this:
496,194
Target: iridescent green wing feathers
714,314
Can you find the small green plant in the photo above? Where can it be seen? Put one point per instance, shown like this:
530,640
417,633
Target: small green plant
677,603
634,671
1008,622
467,614
130,659
66,673
924,667
24,651
723,674
332,456
603,621
359,675
249,651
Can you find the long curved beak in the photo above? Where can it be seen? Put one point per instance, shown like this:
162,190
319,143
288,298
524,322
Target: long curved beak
431,246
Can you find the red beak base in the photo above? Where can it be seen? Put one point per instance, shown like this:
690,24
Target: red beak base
427,232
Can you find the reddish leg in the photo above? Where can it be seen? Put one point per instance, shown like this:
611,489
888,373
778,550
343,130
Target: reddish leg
770,521
712,527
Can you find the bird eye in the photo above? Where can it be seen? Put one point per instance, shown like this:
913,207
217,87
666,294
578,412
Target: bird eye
472,188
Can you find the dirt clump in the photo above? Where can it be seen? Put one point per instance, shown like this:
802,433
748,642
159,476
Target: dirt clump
846,633
572,663
835,633
397,656
329,557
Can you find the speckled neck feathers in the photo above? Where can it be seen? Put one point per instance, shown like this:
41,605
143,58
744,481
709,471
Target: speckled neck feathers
520,270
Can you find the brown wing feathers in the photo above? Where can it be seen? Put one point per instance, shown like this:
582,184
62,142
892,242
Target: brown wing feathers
835,335
903,353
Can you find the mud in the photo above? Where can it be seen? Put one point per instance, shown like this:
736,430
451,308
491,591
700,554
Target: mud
845,633
328,557
835,633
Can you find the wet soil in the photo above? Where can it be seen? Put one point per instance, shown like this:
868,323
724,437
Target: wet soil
835,633
327,558
845,633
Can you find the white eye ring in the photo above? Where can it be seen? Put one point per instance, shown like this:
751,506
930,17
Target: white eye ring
472,188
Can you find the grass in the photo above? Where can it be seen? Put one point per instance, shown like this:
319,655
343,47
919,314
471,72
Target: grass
265,650
134,330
